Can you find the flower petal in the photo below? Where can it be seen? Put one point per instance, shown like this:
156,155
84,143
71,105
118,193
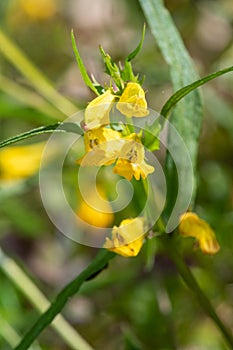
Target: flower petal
97,112
102,147
192,226
132,102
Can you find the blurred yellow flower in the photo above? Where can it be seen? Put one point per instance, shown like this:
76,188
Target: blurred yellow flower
97,112
20,161
132,102
102,147
128,238
98,214
192,226
131,160
39,9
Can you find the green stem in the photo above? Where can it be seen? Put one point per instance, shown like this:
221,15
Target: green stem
17,57
192,284
57,305
37,298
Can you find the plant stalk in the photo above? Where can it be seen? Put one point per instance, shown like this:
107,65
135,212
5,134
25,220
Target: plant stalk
41,303
192,284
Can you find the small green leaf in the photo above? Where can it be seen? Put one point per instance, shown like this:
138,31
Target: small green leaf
81,65
127,72
150,136
111,68
138,48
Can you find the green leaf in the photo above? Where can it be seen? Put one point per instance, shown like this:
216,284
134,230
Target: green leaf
127,72
138,48
81,65
187,115
97,265
58,127
111,68
171,102
150,138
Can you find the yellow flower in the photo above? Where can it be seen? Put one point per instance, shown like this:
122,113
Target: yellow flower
97,112
20,161
132,102
39,9
131,160
102,147
128,170
192,226
127,239
100,213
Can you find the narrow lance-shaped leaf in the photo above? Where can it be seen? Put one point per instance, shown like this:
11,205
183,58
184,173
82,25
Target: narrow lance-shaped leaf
58,127
138,48
127,72
187,115
178,95
81,66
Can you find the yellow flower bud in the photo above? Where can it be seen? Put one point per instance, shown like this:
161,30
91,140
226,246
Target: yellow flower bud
132,102
192,226
97,111
128,238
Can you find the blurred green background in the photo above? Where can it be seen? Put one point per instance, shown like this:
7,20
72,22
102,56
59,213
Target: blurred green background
128,306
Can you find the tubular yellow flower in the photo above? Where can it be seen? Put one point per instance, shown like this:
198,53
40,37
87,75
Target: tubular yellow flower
20,161
100,214
131,160
97,111
192,226
102,147
127,239
132,102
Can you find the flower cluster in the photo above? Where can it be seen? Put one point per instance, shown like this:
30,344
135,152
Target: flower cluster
109,143
104,145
